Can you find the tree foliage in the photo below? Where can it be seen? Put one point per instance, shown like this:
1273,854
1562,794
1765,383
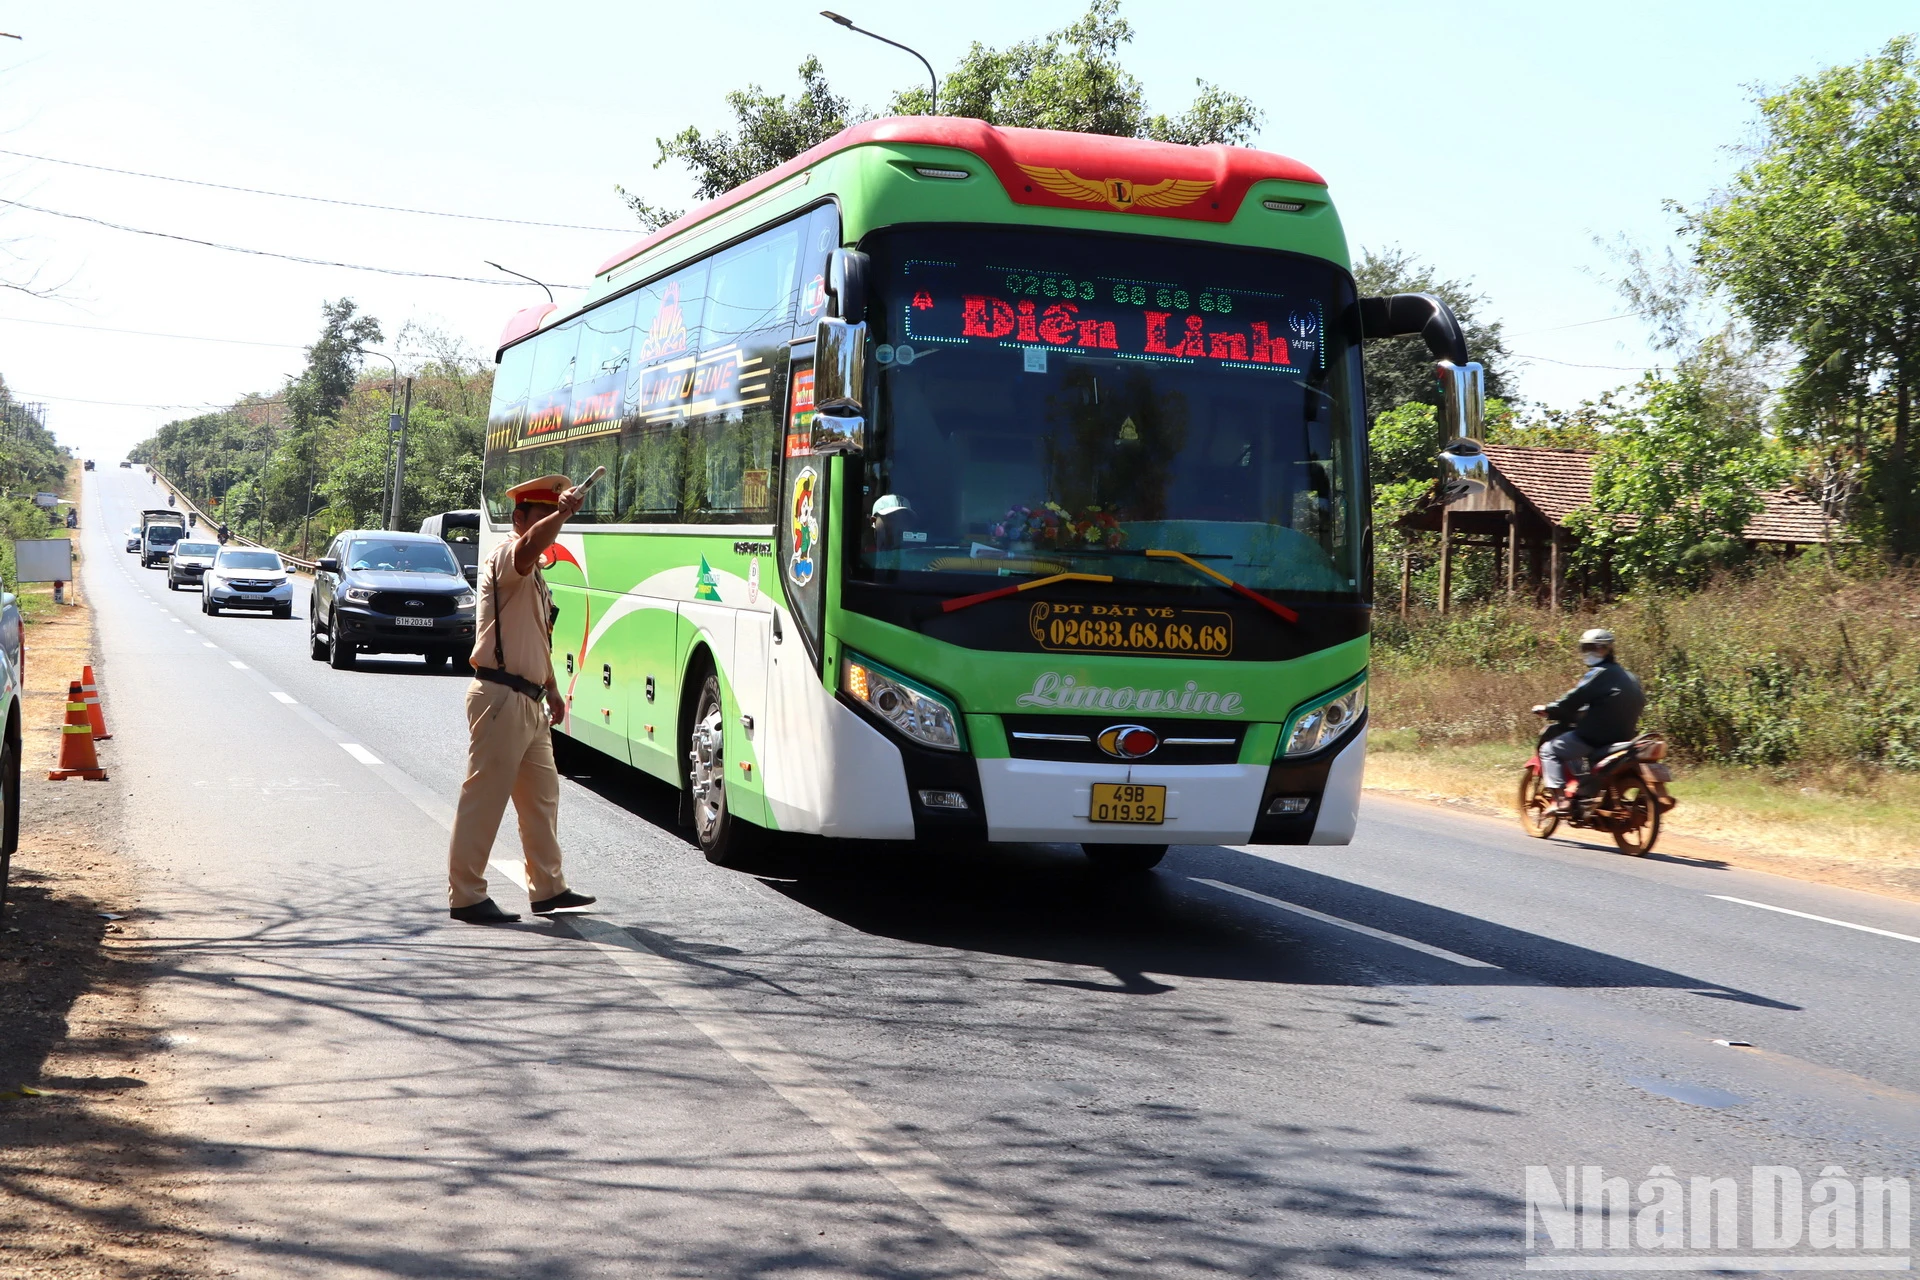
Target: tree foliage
769,130
1817,244
260,468
1680,471
1400,370
1068,79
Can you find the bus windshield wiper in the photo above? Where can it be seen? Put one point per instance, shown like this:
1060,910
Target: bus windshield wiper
1155,553
965,602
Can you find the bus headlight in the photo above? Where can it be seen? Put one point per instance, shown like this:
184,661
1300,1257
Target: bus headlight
1325,721
918,712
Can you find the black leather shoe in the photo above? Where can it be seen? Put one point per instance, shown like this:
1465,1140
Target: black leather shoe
483,912
561,901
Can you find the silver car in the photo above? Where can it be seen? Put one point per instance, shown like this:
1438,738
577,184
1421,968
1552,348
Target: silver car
190,561
243,578
133,539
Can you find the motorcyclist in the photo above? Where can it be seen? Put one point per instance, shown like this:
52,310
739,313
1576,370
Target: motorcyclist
221,533
1601,710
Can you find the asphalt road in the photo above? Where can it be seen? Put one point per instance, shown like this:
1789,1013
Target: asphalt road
909,1062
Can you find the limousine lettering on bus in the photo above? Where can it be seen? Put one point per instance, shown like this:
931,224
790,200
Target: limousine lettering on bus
1061,326
1051,689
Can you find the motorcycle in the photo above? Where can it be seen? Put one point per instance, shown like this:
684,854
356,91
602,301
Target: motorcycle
1623,793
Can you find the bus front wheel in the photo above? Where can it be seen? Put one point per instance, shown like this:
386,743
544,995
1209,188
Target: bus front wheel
1124,858
724,839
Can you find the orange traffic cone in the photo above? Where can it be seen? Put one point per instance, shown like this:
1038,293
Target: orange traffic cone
95,716
77,759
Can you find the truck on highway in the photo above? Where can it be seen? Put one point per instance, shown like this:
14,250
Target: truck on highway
160,528
975,483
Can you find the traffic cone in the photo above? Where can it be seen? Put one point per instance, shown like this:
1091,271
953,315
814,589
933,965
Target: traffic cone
77,759
96,717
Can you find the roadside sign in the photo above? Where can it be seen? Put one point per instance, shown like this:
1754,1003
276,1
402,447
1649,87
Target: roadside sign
43,560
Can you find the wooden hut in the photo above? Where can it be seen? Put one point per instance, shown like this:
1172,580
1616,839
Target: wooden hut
1522,514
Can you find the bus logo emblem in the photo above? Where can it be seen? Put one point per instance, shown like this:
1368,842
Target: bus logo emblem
1128,741
1117,193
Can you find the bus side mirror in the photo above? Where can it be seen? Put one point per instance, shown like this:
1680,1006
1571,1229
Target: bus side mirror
847,285
839,382
1464,469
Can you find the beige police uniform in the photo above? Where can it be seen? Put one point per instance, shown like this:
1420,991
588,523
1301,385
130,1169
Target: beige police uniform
510,749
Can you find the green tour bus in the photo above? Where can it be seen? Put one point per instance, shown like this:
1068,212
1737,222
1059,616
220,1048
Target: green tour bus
975,483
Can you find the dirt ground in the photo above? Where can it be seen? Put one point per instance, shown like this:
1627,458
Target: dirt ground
1411,777
89,1179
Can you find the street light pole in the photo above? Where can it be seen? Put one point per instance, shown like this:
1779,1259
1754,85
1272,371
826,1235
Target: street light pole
933,81
394,422
523,275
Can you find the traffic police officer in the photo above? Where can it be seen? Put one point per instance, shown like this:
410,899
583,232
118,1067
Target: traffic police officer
511,705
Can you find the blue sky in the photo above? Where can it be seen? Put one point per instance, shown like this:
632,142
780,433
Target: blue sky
1495,140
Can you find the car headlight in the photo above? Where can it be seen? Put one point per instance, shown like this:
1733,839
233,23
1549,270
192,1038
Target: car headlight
465,600
918,712
1325,721
359,595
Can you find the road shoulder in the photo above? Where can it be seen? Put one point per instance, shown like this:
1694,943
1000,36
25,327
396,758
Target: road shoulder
89,1180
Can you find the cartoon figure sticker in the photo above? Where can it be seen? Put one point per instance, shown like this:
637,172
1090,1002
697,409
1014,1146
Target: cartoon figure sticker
805,526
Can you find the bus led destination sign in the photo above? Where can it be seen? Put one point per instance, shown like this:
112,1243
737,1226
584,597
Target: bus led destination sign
1101,314
1148,630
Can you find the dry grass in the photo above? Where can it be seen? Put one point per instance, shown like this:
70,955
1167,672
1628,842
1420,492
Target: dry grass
1792,697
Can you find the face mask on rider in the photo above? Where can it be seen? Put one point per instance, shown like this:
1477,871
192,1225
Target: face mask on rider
1592,657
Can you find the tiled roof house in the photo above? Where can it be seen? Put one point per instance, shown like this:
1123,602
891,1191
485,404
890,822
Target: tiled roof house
1534,490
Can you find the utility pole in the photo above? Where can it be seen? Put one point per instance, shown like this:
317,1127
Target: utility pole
398,423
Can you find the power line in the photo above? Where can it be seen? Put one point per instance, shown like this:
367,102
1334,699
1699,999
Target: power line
268,253
148,333
131,404
290,195
1579,324
1630,368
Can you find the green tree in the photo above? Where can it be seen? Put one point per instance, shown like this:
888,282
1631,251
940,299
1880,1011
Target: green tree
1817,244
1680,471
770,129
1068,79
1400,370
1072,79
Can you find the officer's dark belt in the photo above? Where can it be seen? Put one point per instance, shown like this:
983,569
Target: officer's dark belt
520,684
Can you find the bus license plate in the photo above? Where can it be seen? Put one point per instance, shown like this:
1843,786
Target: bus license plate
1128,802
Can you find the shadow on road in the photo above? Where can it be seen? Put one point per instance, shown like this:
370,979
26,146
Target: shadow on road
1046,902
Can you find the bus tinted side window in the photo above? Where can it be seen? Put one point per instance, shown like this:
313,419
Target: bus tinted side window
505,421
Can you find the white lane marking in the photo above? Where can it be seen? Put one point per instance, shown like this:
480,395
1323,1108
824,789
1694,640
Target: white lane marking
1007,1240
1338,923
1844,924
209,644
237,665
289,699
359,753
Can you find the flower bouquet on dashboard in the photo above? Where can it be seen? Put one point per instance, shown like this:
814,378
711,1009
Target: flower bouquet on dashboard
1052,526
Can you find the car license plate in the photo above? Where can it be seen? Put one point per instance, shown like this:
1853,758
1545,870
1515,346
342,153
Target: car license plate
1128,802
414,622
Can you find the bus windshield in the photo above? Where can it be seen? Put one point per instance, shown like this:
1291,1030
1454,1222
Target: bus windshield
1052,403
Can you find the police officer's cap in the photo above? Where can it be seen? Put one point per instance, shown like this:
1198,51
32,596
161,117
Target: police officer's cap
542,490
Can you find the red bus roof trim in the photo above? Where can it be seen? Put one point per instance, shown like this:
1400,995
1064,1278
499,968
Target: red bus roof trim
524,322
1049,169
